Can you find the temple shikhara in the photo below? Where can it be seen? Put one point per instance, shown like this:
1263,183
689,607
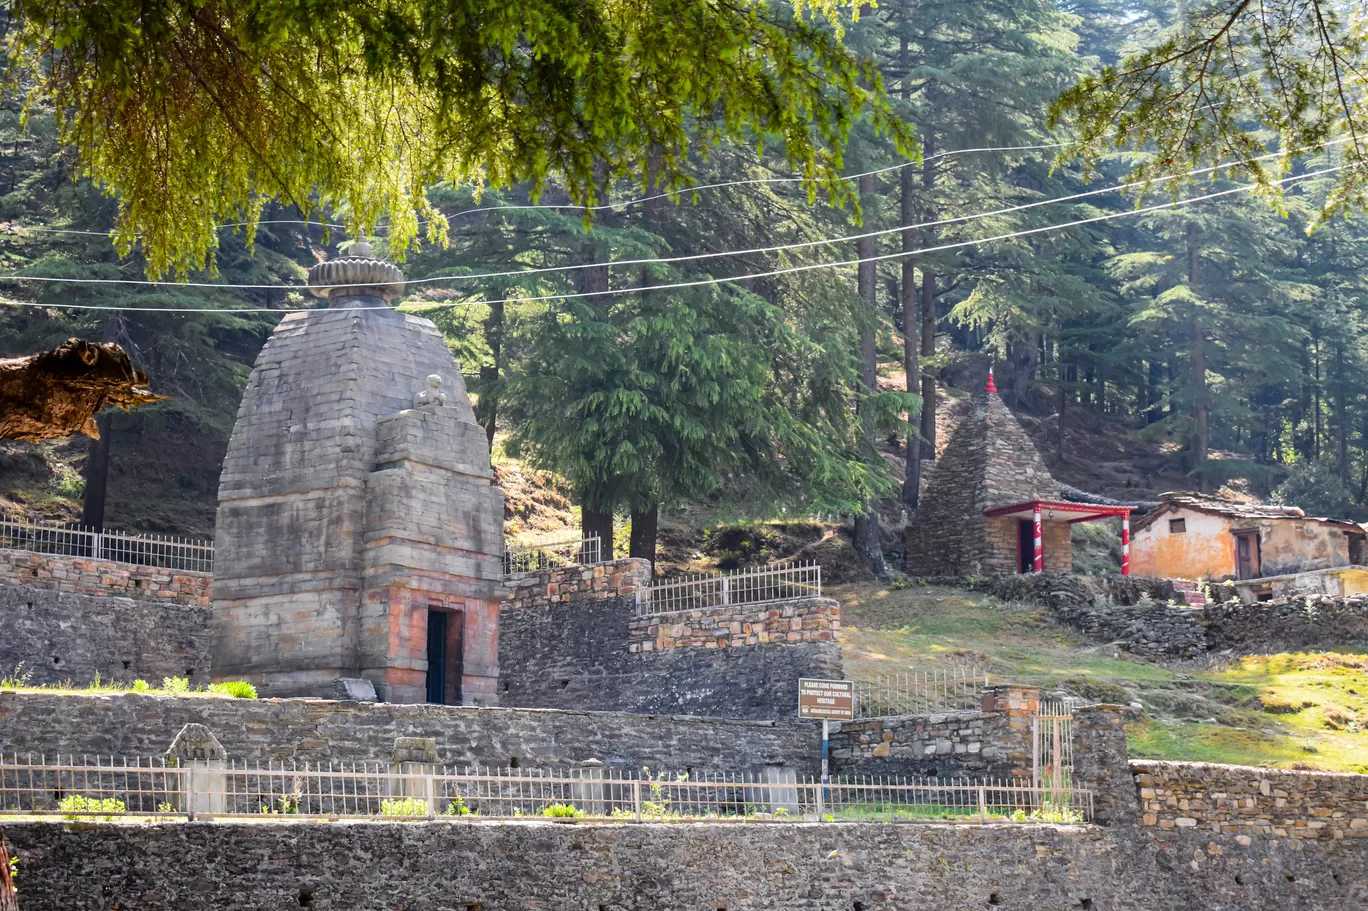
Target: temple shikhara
991,506
359,530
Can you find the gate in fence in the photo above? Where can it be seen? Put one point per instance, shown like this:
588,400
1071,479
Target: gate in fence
1052,745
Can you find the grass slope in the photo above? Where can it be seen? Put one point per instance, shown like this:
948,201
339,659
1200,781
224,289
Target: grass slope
1290,711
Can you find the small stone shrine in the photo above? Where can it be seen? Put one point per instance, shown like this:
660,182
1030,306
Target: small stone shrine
359,533
991,505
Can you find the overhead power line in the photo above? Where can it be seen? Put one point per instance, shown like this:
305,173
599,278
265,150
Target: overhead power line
1027,232
693,257
623,203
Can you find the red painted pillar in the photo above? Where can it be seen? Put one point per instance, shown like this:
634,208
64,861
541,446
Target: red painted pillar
1125,544
1039,563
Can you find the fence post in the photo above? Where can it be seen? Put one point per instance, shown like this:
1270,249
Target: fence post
983,804
821,804
636,798
726,591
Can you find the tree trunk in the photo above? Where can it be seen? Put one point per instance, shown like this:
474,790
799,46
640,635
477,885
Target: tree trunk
928,327
1156,396
488,412
1316,399
97,475
1201,432
1341,418
1063,406
596,523
8,900
911,342
645,525
867,541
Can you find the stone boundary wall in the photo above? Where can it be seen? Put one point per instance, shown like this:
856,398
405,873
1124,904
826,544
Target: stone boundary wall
1314,621
944,745
1247,801
59,637
516,866
84,576
737,626
318,730
561,585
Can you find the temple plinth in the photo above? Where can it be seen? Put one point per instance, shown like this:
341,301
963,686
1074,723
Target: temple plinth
359,530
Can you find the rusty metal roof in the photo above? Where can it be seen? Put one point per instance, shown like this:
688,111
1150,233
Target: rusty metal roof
1182,499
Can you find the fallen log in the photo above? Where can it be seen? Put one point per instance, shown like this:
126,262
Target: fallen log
9,901
59,392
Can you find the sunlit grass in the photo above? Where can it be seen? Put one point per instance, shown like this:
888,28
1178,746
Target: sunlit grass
1303,710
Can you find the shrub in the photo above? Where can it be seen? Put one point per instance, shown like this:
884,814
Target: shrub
403,806
176,686
77,806
238,689
458,807
284,806
142,686
562,811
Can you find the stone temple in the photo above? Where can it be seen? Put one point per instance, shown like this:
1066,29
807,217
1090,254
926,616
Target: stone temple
359,532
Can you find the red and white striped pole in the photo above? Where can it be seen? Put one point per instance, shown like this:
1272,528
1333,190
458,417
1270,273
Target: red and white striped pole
1038,564
1125,544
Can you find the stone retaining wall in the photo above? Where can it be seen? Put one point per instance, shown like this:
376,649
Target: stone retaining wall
59,637
1316,621
518,866
572,639
737,626
83,576
616,579
316,730
945,745
1246,801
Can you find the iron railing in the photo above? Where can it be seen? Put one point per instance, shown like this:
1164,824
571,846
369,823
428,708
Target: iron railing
113,788
563,552
162,551
758,585
957,689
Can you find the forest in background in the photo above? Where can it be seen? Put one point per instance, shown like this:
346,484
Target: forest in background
1221,335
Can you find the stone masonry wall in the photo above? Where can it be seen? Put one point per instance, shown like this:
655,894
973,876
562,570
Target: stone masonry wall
317,730
571,638
992,743
617,579
59,637
519,866
1245,801
83,576
737,626
1287,625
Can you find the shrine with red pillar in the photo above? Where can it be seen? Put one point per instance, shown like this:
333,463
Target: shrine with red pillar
990,504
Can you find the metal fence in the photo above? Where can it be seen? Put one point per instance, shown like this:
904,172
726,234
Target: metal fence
164,551
920,692
758,585
576,551
112,788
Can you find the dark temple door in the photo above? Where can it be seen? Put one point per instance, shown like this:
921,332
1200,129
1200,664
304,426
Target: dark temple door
1026,545
436,656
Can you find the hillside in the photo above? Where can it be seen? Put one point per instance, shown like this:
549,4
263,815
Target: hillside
1307,711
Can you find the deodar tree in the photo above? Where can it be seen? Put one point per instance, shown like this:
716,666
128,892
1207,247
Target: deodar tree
196,112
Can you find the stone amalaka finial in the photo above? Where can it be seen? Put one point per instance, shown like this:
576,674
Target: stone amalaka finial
357,274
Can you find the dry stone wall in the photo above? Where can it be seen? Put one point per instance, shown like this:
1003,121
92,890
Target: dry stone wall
1252,802
84,576
55,637
944,745
572,639
519,866
563,584
737,626
316,730
1318,621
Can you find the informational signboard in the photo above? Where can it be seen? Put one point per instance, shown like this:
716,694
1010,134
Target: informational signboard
829,700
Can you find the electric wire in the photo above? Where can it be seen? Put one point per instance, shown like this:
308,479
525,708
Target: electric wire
615,205
692,257
420,308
